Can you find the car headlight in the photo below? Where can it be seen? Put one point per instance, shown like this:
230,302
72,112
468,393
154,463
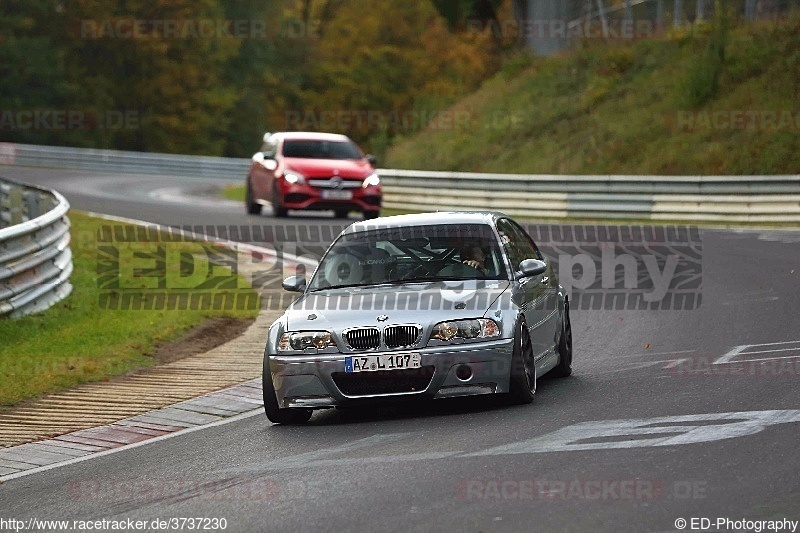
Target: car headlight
371,180
300,340
295,178
478,328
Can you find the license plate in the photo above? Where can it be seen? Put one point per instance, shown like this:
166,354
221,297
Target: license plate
337,195
373,363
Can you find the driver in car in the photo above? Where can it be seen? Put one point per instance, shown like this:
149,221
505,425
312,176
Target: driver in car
475,257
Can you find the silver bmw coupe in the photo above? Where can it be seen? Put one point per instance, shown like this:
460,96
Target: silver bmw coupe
432,305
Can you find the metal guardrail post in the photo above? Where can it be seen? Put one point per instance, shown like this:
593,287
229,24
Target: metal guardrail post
700,11
750,10
15,206
660,15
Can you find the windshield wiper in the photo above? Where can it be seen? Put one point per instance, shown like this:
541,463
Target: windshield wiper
398,282
428,279
391,282
341,286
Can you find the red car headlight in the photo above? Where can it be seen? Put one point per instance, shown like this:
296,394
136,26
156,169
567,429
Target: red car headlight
371,180
295,178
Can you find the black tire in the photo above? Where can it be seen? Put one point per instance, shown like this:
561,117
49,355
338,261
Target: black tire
253,208
369,215
341,213
277,207
564,367
275,414
523,369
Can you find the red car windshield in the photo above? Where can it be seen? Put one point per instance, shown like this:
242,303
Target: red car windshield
307,149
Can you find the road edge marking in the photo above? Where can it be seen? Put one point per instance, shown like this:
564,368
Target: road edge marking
241,416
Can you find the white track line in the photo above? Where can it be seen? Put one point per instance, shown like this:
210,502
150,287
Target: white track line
775,343
239,246
676,362
740,350
759,359
731,354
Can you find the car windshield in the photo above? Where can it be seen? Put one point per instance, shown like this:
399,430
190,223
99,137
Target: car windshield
310,149
411,254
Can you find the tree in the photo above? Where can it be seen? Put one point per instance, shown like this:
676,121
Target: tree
171,83
32,69
269,73
382,59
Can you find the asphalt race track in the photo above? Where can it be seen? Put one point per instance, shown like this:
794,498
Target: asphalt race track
679,414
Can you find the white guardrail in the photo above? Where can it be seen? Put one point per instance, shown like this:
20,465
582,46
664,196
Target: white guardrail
35,259
688,199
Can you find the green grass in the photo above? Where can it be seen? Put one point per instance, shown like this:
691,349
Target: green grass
76,340
234,192
616,108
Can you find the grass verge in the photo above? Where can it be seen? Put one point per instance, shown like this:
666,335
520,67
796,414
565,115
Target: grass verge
234,192
76,340
707,100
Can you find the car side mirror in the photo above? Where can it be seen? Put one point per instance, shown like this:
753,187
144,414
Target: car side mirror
294,284
372,160
532,267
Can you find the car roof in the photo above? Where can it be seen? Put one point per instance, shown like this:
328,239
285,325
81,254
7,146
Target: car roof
310,136
427,219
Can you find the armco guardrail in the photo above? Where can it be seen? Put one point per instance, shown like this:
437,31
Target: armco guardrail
35,259
731,199
117,161
674,198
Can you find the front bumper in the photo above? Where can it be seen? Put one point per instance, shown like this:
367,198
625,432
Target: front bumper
306,197
320,381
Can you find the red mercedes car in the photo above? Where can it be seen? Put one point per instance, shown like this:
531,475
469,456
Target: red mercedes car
312,171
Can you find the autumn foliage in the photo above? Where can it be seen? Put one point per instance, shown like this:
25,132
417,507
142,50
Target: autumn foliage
211,76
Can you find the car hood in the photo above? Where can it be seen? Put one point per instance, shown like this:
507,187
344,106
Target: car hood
325,168
417,303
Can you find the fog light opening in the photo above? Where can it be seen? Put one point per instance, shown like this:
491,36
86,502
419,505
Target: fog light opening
464,372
